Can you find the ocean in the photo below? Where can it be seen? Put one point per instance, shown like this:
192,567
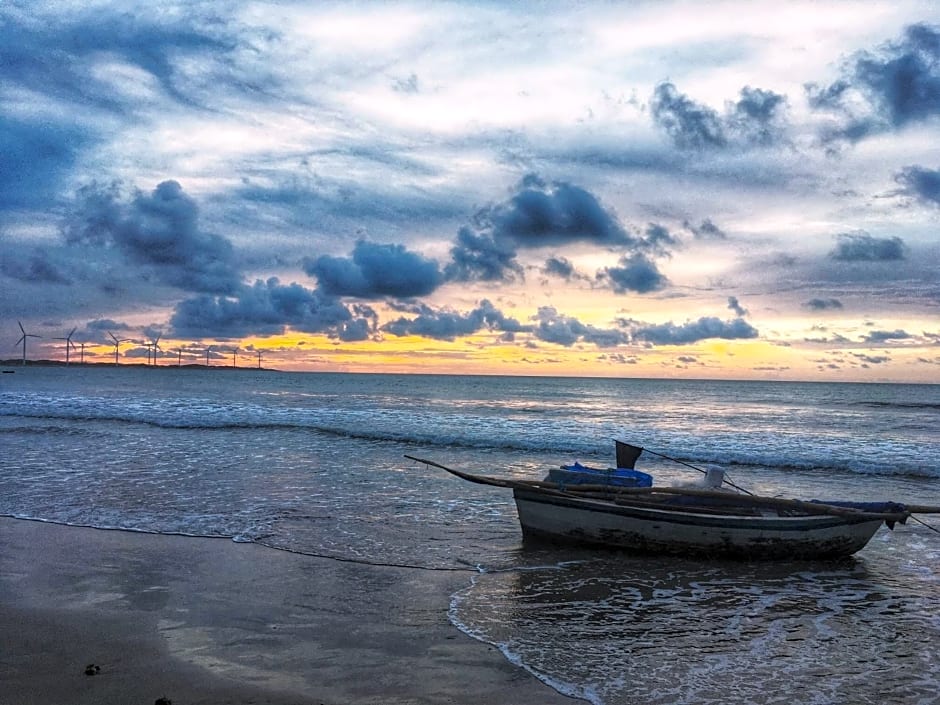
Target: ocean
314,463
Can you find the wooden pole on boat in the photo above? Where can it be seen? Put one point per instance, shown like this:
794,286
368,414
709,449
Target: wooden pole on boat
922,509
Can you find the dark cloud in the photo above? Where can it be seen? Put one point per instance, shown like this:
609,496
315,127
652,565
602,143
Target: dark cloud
920,183
882,336
694,331
756,118
657,240
376,271
480,257
540,214
871,359
97,331
862,247
355,330
158,231
559,267
736,306
707,230
266,308
823,304
446,324
553,327
106,324
35,157
51,56
49,53
619,358
889,88
689,124
636,273
36,266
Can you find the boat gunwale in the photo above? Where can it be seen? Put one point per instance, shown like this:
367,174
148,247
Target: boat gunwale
686,515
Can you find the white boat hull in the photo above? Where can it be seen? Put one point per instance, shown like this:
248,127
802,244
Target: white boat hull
681,531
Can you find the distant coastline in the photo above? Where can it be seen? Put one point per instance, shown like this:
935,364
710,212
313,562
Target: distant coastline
18,362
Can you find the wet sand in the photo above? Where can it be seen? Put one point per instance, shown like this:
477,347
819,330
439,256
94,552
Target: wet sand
209,621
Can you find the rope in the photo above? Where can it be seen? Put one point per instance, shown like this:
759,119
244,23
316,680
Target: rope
923,523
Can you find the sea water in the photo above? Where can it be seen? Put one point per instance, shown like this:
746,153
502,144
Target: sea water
314,463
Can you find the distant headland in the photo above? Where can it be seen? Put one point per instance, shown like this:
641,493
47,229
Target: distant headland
18,362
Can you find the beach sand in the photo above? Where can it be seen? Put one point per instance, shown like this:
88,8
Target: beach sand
210,621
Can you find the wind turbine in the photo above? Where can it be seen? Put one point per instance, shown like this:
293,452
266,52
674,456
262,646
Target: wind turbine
68,344
207,355
23,339
82,346
234,352
153,346
117,344
258,353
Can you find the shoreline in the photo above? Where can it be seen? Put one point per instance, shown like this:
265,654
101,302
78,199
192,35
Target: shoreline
205,621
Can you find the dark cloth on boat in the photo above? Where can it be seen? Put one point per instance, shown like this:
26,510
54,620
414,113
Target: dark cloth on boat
871,507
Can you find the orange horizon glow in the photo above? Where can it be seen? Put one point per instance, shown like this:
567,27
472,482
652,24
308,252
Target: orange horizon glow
484,354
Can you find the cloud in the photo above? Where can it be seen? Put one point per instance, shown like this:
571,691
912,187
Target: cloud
694,331
72,75
755,119
862,247
889,88
541,214
560,267
636,273
689,124
823,304
882,336
707,230
619,358
479,257
920,183
41,153
97,331
871,359
553,327
447,324
538,214
265,308
72,53
375,271
736,306
657,240
158,231
35,266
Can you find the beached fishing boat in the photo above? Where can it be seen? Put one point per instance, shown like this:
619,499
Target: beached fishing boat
654,525
703,521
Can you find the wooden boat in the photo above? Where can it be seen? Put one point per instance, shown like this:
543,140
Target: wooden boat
656,526
692,521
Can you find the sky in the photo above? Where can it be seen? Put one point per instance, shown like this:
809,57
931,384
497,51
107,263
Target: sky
719,190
